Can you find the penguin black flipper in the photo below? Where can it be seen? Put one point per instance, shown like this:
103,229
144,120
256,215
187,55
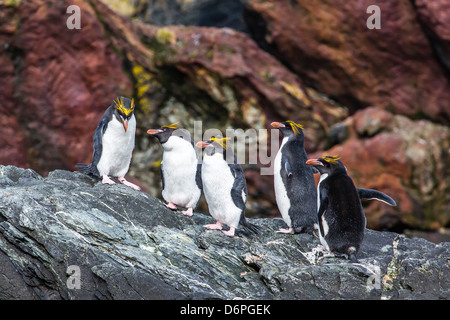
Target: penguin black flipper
287,166
162,175
239,195
91,169
99,131
370,194
239,186
198,177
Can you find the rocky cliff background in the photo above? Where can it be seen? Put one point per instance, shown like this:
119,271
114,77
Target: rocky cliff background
379,98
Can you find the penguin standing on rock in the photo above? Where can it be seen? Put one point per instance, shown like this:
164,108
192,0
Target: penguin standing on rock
113,144
295,189
225,187
340,214
180,168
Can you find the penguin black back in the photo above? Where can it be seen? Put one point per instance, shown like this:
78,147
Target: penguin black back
297,179
340,213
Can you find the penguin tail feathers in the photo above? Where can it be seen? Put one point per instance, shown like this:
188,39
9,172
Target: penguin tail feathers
87,169
249,229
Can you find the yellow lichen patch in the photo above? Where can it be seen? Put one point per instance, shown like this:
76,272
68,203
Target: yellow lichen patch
11,3
144,83
296,92
166,36
125,8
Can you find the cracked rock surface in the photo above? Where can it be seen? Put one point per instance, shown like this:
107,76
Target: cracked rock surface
125,244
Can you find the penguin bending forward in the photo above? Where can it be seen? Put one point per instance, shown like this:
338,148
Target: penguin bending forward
180,168
340,214
225,187
113,143
295,189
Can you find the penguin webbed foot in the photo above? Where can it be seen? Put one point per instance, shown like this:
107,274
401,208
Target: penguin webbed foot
129,184
229,232
285,230
189,212
107,180
213,226
171,205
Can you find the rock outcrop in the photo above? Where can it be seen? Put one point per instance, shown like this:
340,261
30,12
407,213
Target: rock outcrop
328,44
67,236
320,65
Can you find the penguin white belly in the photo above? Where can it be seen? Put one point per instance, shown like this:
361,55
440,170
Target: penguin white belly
179,168
283,201
323,220
117,148
217,184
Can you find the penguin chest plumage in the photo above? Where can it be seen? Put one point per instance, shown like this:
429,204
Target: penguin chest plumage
117,148
179,169
281,195
323,220
218,183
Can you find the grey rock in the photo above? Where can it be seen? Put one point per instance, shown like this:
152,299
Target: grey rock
67,236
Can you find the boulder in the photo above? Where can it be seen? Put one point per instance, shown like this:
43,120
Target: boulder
67,236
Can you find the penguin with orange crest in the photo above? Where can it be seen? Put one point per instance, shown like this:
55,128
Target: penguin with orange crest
180,168
113,144
225,187
295,189
341,217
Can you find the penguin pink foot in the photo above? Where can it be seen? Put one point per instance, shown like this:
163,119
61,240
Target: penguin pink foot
129,184
214,226
107,180
171,205
283,230
188,212
230,232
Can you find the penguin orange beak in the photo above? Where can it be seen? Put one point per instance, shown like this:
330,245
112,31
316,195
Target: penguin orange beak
153,131
202,144
314,162
125,123
277,125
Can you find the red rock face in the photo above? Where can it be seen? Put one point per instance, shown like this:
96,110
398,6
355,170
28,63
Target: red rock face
329,45
59,84
435,19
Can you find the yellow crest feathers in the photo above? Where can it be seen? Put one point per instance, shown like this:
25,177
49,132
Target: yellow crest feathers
221,140
295,126
121,107
171,126
331,159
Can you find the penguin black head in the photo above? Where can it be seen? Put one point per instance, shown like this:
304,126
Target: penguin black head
124,109
216,143
165,132
289,128
327,165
